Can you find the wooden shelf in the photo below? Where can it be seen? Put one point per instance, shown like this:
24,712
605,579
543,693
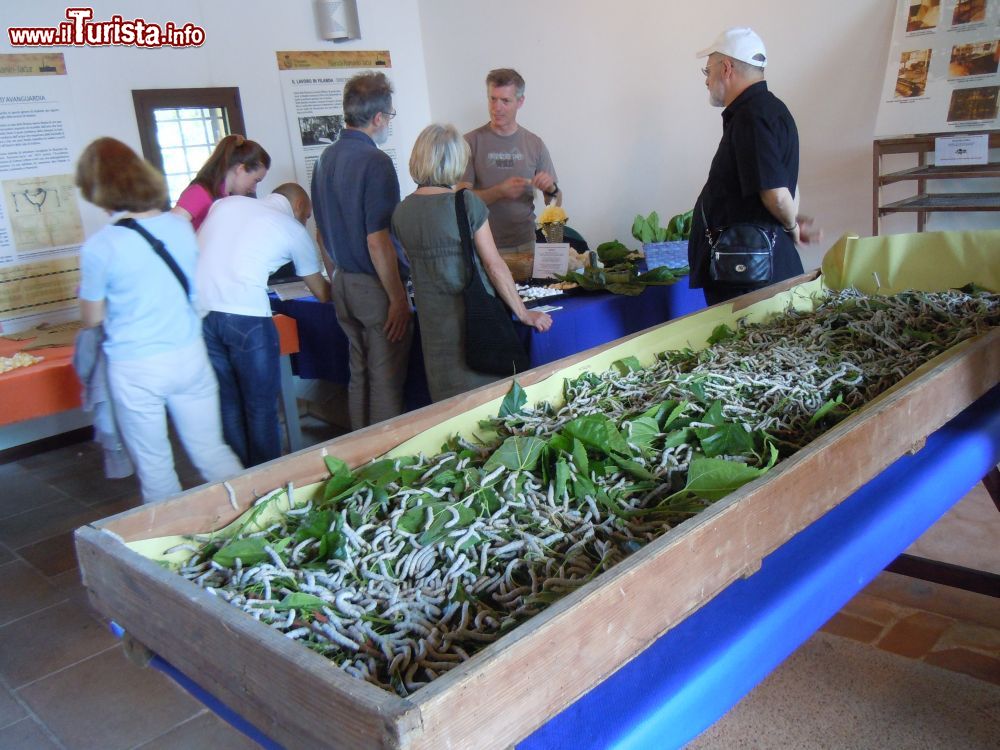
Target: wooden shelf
930,172
925,202
945,202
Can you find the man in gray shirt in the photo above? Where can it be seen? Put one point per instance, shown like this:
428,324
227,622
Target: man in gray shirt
507,163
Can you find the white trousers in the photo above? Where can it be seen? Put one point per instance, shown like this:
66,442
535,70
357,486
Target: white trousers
180,382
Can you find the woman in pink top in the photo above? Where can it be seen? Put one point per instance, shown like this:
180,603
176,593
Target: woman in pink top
234,168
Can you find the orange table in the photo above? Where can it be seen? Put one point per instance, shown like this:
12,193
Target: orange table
44,399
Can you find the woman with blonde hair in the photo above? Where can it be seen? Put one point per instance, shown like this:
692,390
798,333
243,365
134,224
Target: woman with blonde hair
137,278
426,225
235,167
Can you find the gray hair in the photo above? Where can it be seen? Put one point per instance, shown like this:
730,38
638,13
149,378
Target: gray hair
506,77
745,69
365,95
439,156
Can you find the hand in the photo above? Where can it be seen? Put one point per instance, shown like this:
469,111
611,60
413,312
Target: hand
544,182
397,321
807,233
513,187
540,321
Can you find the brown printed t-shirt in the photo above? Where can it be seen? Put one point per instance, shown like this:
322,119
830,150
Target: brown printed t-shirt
494,159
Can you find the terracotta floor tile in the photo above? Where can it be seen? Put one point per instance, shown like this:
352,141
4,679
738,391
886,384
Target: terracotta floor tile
51,556
47,641
915,635
971,636
205,730
854,628
26,735
10,709
24,590
875,609
131,706
967,662
933,597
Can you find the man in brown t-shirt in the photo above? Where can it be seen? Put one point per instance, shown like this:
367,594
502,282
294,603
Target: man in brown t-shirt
507,163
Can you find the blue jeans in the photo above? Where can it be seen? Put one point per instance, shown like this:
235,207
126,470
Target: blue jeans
244,353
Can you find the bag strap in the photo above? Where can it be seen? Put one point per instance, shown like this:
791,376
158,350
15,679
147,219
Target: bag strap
160,249
462,216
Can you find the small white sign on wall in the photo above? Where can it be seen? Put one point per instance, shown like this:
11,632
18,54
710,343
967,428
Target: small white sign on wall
962,150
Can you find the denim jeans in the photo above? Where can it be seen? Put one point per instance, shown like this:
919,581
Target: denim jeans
244,353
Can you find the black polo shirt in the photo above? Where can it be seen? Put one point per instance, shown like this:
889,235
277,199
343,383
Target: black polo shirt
759,150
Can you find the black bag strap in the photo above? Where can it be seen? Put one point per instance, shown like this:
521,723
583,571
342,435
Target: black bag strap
160,249
462,216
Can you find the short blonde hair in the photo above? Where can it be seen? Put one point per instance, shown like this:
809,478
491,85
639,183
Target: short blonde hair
112,176
439,156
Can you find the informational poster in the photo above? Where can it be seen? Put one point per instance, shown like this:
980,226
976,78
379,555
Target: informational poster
312,85
942,70
40,225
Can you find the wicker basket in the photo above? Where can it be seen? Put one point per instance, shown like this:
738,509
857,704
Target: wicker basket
553,232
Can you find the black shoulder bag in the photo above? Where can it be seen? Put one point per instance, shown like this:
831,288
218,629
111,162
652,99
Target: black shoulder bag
160,249
742,253
492,345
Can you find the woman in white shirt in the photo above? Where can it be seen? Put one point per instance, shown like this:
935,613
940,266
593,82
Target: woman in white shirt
156,356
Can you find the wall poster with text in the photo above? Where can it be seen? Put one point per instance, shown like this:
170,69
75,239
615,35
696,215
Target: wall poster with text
40,226
942,74
312,86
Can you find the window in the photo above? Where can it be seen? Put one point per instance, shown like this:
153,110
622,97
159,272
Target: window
178,128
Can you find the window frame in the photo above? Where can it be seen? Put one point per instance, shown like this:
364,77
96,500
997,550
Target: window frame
148,100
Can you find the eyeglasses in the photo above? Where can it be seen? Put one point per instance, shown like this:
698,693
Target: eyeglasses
389,115
708,67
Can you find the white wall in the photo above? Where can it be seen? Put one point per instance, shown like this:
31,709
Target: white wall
615,91
241,39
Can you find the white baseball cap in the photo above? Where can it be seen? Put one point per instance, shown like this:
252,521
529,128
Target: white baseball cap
739,43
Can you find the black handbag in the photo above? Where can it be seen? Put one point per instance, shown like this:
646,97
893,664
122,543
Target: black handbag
492,345
742,253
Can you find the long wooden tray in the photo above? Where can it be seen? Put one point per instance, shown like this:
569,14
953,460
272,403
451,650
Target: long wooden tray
514,685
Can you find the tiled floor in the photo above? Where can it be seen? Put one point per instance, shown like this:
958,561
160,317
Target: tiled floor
66,683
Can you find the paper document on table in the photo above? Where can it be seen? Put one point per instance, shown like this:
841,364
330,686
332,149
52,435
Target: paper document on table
291,290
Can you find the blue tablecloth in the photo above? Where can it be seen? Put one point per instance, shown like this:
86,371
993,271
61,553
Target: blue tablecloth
698,670
585,320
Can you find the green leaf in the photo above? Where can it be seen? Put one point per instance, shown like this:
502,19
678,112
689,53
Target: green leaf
340,477
721,333
625,365
514,401
659,275
637,226
676,438
633,467
580,457
315,525
833,406
727,440
443,516
300,601
412,520
562,477
714,478
516,454
597,432
676,415
250,551
632,289
612,253
447,478
379,473
713,415
643,431
559,442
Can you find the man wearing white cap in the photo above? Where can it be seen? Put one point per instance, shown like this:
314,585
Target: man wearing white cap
754,174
